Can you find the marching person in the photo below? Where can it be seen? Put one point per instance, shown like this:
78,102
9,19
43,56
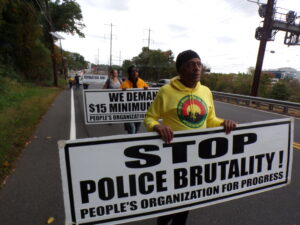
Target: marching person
77,81
133,81
113,82
183,104
70,80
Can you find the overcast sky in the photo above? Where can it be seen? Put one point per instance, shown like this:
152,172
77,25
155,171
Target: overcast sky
221,31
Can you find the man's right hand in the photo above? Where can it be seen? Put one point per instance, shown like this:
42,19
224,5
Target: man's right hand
165,132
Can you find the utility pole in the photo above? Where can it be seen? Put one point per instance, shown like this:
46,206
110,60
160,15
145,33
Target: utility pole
274,22
120,59
110,58
110,53
52,47
149,38
149,31
98,66
98,57
265,35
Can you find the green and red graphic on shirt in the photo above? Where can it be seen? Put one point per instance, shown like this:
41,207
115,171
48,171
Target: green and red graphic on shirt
192,111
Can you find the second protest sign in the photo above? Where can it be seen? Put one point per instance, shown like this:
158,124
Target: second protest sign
116,105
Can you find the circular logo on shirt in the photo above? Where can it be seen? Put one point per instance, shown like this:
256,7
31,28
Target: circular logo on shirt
192,111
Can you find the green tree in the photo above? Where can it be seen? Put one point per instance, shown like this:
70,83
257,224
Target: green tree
242,84
210,80
265,84
294,87
61,16
280,91
153,64
66,17
26,46
20,38
75,61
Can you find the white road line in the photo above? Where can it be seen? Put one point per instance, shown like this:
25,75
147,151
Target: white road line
72,123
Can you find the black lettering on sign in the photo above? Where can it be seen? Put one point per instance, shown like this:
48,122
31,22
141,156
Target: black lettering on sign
144,159
239,142
234,170
210,172
101,108
92,108
106,189
87,187
145,188
116,96
205,150
179,150
140,96
129,96
160,180
180,178
113,107
120,187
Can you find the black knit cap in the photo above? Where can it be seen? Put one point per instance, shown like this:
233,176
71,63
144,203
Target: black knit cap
131,68
185,56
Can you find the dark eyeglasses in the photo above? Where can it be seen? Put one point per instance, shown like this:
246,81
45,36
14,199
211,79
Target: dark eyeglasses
193,64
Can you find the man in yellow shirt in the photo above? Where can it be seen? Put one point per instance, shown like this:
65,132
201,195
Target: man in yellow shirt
133,81
183,104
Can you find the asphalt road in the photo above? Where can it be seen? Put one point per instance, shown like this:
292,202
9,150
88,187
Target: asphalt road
33,193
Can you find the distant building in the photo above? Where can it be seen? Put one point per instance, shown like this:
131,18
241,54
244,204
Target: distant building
284,72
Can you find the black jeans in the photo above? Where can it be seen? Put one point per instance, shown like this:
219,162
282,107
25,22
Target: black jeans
177,219
132,128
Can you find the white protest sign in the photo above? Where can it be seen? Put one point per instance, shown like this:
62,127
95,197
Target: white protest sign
125,178
93,78
116,105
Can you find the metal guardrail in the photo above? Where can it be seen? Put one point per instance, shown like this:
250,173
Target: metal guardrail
248,100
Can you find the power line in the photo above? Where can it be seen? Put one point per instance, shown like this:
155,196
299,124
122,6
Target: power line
110,55
45,14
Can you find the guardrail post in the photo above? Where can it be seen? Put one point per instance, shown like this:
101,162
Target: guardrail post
285,109
271,107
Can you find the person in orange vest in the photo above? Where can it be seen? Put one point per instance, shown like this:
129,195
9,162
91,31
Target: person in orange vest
133,81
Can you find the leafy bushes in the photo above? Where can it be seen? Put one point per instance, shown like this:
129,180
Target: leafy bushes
285,89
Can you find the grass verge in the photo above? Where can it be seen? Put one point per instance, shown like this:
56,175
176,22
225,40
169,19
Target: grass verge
21,109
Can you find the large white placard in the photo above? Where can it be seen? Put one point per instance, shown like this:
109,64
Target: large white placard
124,178
116,105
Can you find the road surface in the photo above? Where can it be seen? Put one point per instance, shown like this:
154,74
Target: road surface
33,193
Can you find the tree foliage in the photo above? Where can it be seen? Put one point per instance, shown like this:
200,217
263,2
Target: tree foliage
280,91
66,17
286,89
75,61
24,43
21,40
153,64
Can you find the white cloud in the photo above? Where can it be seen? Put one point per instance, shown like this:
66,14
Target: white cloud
221,31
